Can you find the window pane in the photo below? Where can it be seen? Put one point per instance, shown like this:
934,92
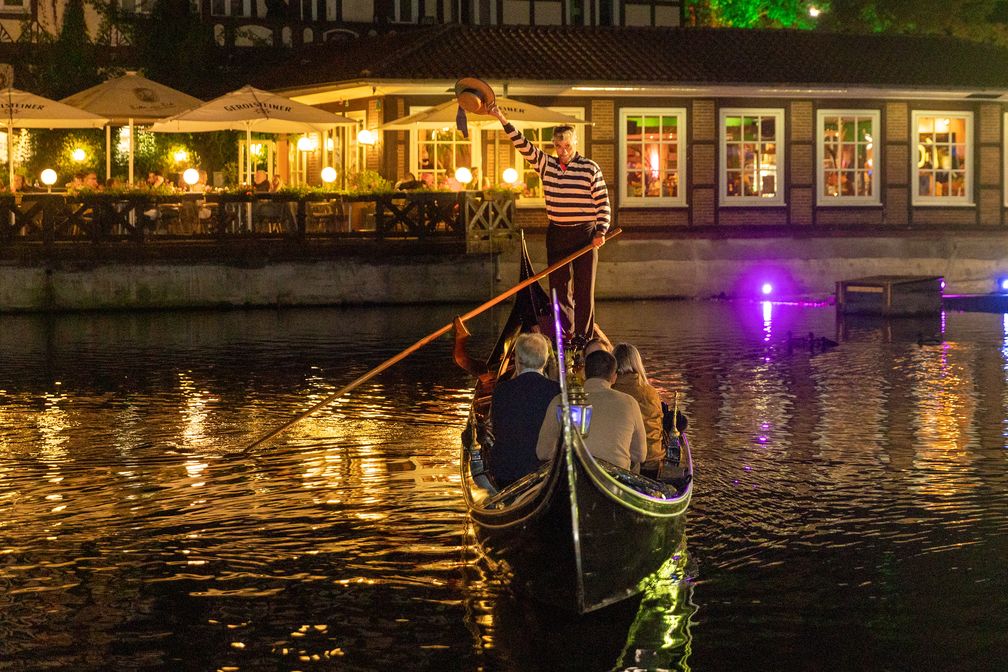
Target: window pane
734,183
768,128
749,128
733,129
670,128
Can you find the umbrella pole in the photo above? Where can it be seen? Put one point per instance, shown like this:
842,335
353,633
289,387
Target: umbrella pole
131,151
108,152
248,172
10,156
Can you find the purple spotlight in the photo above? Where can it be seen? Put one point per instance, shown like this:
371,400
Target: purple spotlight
942,284
1003,284
766,288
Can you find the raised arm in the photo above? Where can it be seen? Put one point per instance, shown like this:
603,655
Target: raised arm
535,156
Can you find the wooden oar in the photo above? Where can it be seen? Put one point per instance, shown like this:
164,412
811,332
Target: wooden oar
424,341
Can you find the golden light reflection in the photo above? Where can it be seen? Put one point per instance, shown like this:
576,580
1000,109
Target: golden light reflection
944,407
54,427
195,411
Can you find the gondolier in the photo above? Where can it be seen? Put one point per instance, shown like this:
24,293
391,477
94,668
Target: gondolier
577,206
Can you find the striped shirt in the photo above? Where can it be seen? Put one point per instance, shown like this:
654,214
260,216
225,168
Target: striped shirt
573,196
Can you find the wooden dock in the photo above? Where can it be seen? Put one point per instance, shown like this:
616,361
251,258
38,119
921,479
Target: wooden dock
890,295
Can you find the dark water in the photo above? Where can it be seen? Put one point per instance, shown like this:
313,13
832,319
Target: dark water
850,512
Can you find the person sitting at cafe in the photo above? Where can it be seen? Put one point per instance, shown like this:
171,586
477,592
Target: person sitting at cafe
21,184
616,434
408,183
155,179
517,411
261,182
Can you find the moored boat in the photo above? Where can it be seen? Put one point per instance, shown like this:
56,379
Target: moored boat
578,533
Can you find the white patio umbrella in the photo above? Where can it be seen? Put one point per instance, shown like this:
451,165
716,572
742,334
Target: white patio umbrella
130,99
252,109
518,112
20,109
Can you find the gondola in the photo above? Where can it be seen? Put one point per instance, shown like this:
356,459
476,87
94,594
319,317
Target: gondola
578,533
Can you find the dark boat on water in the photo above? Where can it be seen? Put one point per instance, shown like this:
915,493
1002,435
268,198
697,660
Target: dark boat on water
578,533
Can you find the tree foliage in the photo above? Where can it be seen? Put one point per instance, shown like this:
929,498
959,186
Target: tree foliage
73,64
753,13
174,45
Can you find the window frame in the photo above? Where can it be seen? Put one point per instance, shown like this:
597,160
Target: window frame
848,201
475,154
25,7
966,200
518,161
726,201
627,201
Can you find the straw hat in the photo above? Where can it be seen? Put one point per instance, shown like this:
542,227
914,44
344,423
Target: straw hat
474,95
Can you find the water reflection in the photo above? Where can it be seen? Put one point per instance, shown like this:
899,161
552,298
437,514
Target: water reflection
838,492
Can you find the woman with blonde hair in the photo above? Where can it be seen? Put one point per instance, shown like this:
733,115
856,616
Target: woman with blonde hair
631,378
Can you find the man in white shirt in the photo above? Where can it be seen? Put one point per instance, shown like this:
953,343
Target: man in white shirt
617,433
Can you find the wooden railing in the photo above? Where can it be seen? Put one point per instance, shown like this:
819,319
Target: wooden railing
476,218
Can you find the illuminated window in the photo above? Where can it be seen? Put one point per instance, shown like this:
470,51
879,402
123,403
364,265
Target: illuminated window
752,157
653,157
847,157
437,150
529,182
942,162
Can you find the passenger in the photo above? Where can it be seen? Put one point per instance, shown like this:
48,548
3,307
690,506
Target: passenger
631,378
617,433
517,411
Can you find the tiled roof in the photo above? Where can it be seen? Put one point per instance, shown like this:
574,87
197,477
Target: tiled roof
653,55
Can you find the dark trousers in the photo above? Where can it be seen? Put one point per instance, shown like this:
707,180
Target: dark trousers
575,282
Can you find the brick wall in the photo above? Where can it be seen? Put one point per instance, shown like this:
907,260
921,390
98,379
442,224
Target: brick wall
702,170
990,208
896,122
603,120
703,206
753,216
802,201
944,216
800,169
897,165
858,216
653,217
896,202
704,121
802,121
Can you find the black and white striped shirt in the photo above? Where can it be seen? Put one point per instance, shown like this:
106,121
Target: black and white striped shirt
574,194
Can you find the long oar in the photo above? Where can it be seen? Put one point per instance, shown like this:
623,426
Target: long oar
424,341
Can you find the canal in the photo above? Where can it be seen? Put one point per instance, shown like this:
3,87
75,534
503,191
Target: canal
850,509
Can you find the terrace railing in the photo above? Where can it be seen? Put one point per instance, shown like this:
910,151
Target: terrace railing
476,218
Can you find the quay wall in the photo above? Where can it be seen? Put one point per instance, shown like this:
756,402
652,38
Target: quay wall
631,267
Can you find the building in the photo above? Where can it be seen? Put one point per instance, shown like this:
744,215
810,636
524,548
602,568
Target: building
713,134
300,22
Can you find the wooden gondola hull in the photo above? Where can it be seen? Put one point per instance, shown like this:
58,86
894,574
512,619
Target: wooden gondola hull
582,547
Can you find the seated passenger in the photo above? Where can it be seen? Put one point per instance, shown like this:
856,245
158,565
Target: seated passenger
617,433
632,379
517,411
